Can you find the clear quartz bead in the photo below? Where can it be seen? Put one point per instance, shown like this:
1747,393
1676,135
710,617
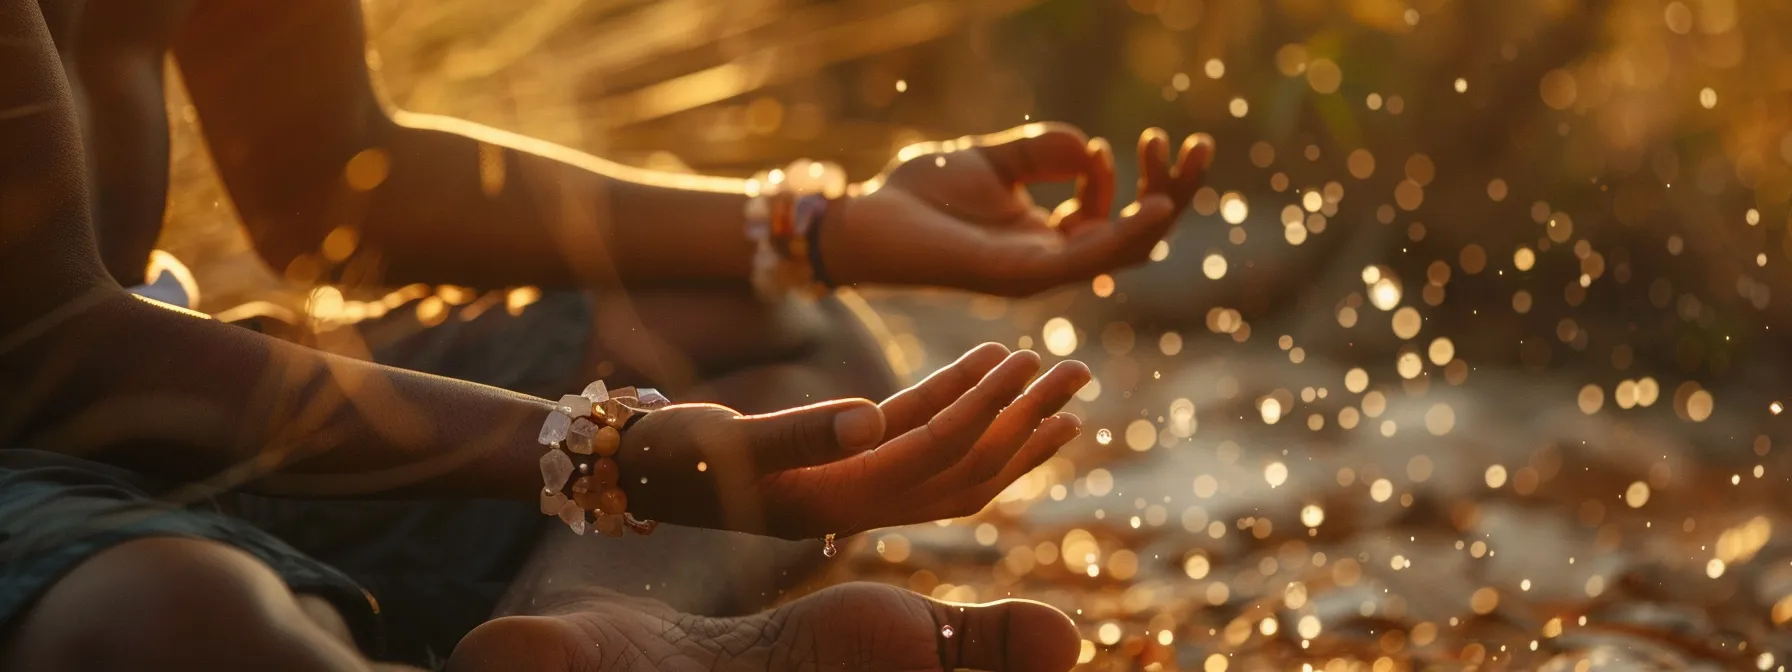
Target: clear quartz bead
556,467
573,516
575,406
651,399
596,392
579,439
551,503
553,429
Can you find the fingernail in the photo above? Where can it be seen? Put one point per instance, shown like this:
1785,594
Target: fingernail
860,428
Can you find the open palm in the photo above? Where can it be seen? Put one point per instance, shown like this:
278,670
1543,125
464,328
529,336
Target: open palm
941,449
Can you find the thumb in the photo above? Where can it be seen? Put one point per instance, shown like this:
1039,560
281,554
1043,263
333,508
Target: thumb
813,435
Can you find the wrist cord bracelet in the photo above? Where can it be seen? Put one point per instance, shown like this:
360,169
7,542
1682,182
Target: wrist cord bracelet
784,212
581,482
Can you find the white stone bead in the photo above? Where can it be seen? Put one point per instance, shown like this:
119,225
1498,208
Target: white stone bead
577,405
596,392
579,437
573,516
551,503
556,467
553,429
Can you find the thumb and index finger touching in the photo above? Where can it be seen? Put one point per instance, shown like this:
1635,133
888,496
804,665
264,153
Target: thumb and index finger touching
1094,243
1057,152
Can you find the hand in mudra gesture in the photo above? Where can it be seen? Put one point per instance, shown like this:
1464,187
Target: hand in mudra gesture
941,449
955,214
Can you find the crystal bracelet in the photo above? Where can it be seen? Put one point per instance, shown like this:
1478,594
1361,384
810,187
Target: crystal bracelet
784,211
581,482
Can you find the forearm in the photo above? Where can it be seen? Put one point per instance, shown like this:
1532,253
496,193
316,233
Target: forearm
184,398
465,204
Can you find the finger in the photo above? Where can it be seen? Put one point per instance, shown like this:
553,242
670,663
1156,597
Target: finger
1191,168
1005,635
1154,162
1096,189
1033,219
1037,153
1051,435
1068,216
919,453
1004,437
1123,243
1094,193
909,408
812,435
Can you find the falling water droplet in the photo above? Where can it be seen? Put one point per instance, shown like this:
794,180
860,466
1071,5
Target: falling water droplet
1104,437
828,548
946,631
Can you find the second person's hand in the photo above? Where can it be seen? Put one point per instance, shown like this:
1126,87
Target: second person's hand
956,214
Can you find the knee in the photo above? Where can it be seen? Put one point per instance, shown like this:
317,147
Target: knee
172,603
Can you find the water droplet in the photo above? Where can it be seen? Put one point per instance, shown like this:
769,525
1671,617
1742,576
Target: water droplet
946,631
828,547
1104,437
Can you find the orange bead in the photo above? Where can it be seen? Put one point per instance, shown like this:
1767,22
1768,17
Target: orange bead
605,472
606,441
609,525
612,500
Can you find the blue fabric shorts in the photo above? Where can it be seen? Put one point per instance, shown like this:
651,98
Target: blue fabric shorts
56,511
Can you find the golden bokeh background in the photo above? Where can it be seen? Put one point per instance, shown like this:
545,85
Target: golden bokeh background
1468,356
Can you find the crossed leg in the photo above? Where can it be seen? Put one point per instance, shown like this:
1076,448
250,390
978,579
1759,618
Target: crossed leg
172,603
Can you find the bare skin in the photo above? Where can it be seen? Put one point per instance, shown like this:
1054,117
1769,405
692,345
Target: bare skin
894,630
204,402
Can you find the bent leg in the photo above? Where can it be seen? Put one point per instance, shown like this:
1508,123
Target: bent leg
167,603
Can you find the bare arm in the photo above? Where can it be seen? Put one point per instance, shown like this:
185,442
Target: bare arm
285,99
86,368
183,397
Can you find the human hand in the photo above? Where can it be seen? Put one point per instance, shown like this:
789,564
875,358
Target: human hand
955,214
857,626
941,449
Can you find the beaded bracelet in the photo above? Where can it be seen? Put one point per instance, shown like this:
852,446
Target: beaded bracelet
582,434
784,211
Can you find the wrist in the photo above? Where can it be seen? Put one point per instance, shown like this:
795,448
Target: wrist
582,483
786,212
